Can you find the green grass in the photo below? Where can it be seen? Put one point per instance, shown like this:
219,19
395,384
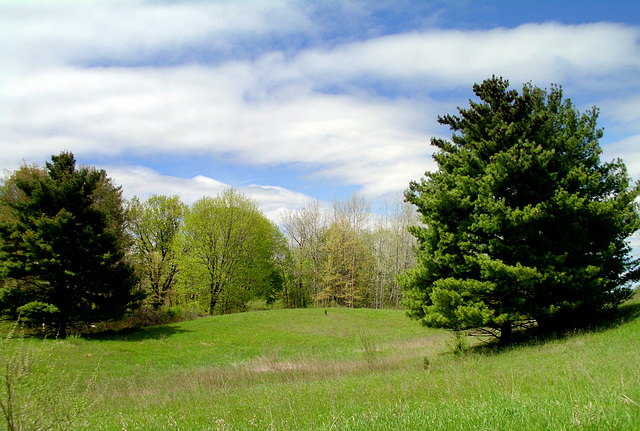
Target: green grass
351,369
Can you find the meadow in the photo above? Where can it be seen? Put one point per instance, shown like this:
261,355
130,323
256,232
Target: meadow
348,369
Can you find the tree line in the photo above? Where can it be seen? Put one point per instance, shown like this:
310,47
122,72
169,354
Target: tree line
73,251
521,222
222,252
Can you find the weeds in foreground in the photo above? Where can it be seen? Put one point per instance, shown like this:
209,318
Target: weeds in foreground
458,345
34,393
370,352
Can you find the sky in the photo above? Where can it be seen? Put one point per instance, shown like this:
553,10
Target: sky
292,101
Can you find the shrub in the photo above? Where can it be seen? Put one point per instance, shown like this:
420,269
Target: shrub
38,314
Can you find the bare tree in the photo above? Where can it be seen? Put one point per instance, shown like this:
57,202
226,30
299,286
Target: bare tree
306,229
394,250
349,256
355,210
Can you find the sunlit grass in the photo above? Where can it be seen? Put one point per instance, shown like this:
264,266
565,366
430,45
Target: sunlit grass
354,369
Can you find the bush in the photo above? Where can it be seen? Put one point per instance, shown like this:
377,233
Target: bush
144,317
147,316
35,314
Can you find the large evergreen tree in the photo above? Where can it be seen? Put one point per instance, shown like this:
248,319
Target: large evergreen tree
63,243
522,219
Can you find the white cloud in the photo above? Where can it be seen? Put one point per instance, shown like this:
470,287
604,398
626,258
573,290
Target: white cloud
543,53
144,182
320,109
628,150
44,33
206,110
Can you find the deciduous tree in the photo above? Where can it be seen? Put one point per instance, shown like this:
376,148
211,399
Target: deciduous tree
347,270
393,250
229,252
154,225
306,230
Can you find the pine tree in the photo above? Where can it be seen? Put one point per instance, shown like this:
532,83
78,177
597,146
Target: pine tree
63,245
522,219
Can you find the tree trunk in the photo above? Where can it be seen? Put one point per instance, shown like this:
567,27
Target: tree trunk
506,333
212,304
62,330
215,293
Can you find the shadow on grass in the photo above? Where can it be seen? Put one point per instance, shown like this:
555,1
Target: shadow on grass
137,334
625,313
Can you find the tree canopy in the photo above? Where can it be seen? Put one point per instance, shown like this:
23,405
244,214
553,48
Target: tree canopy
522,219
229,252
63,245
154,225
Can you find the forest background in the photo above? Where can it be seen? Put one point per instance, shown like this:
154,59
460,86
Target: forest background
222,253
217,256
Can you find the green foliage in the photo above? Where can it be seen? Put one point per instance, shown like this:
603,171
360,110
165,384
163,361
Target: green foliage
63,241
346,275
453,304
229,253
154,225
522,219
38,313
12,296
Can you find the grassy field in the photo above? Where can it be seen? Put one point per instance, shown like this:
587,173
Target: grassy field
346,370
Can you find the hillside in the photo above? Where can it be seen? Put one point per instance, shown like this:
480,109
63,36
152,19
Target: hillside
348,369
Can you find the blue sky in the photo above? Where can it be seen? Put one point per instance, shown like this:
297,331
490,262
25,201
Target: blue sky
290,101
